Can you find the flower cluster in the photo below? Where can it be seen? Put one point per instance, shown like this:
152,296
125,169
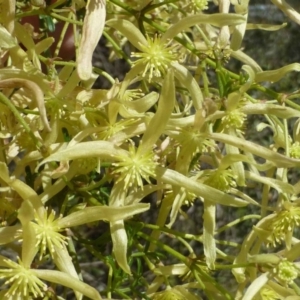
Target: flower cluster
168,123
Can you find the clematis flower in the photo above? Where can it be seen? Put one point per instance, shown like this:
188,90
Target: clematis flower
286,271
44,233
283,270
283,224
134,167
48,232
234,119
41,230
24,283
222,180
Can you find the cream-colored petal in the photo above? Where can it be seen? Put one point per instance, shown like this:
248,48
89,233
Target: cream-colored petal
93,26
288,10
120,241
209,224
105,213
165,107
68,281
7,14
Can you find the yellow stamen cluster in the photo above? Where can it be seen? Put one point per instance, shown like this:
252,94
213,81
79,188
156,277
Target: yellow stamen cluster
130,95
221,180
284,223
295,150
194,140
234,119
23,283
286,271
135,167
198,5
110,130
47,232
156,57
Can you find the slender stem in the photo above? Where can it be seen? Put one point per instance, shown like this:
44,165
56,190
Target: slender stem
61,37
73,254
171,231
237,221
265,90
205,79
61,18
166,248
104,74
295,288
124,6
152,7
109,281
117,48
292,103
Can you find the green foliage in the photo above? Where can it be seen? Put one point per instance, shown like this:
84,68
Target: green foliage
102,177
